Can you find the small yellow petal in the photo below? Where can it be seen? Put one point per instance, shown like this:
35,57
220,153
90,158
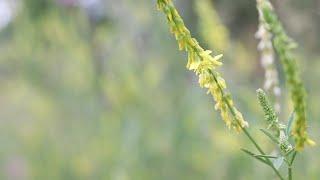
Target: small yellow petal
311,142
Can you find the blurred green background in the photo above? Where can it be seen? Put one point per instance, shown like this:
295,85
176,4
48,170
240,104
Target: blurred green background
97,89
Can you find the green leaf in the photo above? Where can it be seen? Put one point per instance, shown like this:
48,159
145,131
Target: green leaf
278,162
274,139
254,156
290,122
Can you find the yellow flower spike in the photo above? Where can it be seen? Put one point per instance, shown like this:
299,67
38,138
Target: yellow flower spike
204,64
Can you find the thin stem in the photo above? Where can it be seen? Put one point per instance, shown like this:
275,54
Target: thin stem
290,172
253,141
293,158
290,165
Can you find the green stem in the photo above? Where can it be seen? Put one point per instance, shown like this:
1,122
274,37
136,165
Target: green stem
290,172
290,165
293,157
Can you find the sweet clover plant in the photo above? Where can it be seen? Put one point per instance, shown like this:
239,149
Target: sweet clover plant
273,38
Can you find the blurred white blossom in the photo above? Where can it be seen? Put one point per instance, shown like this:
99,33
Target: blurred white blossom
6,13
265,47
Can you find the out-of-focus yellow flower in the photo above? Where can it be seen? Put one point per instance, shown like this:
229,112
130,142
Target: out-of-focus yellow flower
215,34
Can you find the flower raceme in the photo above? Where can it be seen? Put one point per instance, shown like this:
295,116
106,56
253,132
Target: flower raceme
204,65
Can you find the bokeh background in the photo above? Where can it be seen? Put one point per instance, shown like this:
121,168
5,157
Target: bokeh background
97,89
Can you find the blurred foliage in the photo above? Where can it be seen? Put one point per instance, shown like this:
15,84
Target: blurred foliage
105,95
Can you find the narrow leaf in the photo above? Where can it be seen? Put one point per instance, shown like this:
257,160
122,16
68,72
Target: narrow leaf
254,156
274,139
266,156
